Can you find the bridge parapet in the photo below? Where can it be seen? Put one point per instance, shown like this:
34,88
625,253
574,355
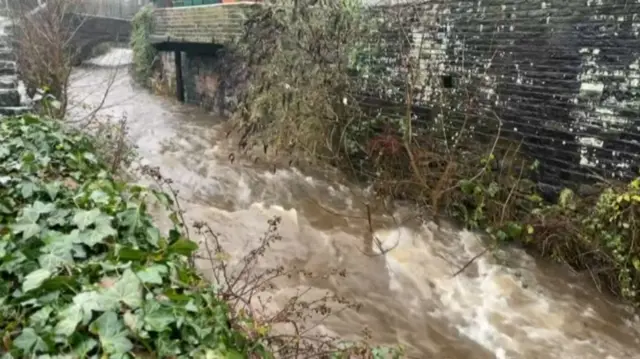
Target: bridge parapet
206,24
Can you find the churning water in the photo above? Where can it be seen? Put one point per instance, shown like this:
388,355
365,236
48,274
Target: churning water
501,306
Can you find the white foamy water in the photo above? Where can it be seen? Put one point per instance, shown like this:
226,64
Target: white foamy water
115,57
503,305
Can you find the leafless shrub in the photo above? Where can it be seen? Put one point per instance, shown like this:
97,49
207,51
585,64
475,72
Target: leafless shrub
44,47
361,88
112,137
43,55
246,287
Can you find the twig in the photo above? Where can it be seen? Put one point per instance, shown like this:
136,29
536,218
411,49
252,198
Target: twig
470,262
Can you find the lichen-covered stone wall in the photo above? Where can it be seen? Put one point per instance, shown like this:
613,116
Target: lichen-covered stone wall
209,24
213,80
563,76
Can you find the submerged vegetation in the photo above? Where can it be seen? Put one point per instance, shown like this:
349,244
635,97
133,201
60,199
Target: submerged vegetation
360,88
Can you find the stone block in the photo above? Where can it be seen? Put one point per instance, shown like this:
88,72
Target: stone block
9,98
14,110
7,68
202,24
6,55
8,82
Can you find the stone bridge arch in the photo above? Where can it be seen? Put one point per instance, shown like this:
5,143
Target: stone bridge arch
86,30
91,30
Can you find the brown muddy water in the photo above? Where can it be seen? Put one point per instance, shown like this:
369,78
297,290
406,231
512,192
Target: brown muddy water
515,308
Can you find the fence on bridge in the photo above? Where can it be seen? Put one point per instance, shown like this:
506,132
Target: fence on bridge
182,3
122,9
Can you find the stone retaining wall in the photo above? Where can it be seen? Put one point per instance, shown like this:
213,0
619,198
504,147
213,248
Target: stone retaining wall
10,98
562,76
211,24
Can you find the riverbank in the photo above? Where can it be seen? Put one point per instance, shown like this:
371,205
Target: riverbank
450,156
505,304
85,270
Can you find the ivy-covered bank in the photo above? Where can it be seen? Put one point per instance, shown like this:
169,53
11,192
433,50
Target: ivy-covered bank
144,53
85,273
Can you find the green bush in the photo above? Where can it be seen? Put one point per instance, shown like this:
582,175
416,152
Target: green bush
595,232
144,54
85,273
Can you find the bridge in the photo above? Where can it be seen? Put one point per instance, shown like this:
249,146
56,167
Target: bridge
92,30
193,40
88,22
187,27
562,76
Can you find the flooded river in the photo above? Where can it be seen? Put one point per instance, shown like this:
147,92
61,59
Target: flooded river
515,308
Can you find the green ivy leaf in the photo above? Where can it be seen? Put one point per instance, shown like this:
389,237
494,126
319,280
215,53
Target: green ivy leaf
83,218
100,197
153,274
40,318
27,189
112,334
91,237
59,217
30,342
71,317
183,246
84,347
130,218
27,223
95,301
28,230
127,289
84,304
43,208
153,236
34,279
158,317
52,189
58,252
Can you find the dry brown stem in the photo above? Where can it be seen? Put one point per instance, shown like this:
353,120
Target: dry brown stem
246,287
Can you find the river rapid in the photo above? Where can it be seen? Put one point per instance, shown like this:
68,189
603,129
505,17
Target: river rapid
502,306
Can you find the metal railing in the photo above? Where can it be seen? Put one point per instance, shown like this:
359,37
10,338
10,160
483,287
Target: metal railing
183,3
180,3
122,9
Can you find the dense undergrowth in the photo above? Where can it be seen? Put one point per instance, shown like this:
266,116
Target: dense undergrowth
144,54
84,270
361,88
86,273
